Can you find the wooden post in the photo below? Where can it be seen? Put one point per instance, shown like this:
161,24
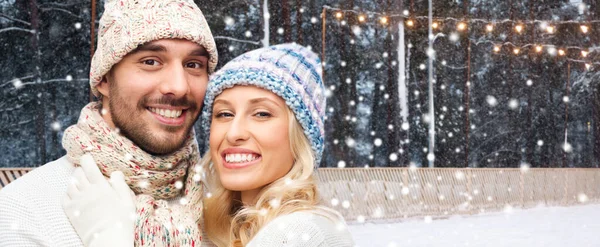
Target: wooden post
467,85
567,89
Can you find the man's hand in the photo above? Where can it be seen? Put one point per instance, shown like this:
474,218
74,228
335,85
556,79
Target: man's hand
101,211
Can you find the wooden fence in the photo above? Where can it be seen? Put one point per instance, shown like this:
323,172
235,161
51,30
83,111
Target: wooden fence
8,175
396,193
373,194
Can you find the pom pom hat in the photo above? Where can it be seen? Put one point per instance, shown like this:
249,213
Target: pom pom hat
127,24
290,71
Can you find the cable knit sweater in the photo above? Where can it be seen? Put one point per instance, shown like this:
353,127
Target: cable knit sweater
31,212
303,229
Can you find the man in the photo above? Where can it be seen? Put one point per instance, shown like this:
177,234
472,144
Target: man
150,73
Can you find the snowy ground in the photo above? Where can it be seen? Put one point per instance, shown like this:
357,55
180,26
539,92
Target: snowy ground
542,226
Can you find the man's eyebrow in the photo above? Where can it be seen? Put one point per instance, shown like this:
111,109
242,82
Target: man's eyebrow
150,47
200,52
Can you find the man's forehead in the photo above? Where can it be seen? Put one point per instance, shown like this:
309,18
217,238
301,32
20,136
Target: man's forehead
164,44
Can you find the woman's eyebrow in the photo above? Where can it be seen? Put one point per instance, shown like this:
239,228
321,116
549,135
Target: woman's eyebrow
221,101
263,99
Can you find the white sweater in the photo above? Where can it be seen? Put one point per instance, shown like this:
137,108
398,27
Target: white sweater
303,229
31,212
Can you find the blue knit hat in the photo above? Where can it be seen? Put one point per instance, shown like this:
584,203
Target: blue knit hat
289,70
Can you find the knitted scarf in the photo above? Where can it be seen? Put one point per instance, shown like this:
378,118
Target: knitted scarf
154,179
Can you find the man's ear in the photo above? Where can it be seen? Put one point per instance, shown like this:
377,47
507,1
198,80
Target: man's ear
103,86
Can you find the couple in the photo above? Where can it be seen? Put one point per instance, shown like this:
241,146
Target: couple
254,187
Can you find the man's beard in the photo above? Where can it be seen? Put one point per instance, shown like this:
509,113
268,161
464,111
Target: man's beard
124,117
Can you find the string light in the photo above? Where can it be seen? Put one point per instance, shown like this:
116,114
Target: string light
383,20
339,15
362,18
538,48
519,28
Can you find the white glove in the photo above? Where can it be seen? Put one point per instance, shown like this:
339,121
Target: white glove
101,212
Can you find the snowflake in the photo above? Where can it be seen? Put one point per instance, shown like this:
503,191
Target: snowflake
529,82
334,202
56,126
378,142
513,104
17,83
582,198
428,219
405,126
229,21
525,167
350,142
360,219
491,100
430,157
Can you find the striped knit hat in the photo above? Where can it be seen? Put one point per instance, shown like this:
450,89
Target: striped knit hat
289,70
127,24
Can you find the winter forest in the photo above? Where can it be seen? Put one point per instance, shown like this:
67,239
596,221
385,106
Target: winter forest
497,83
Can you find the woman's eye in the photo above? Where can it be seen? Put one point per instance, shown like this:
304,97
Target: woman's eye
263,114
223,114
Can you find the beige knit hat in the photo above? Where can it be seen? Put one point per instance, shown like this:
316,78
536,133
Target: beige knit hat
126,24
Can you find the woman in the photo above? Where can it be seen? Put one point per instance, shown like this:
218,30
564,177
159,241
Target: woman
265,110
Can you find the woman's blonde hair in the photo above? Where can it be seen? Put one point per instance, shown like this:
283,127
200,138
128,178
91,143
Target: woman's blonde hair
232,224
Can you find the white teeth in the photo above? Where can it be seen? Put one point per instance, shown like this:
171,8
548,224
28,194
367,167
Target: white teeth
237,158
167,113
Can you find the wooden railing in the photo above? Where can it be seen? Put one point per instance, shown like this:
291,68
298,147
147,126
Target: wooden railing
8,175
395,193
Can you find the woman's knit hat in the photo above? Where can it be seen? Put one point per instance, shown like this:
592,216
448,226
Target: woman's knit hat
127,24
289,70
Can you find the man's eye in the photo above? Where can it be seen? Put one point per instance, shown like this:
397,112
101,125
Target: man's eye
151,62
195,65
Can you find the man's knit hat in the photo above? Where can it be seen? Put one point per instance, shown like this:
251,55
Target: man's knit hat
289,70
127,24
